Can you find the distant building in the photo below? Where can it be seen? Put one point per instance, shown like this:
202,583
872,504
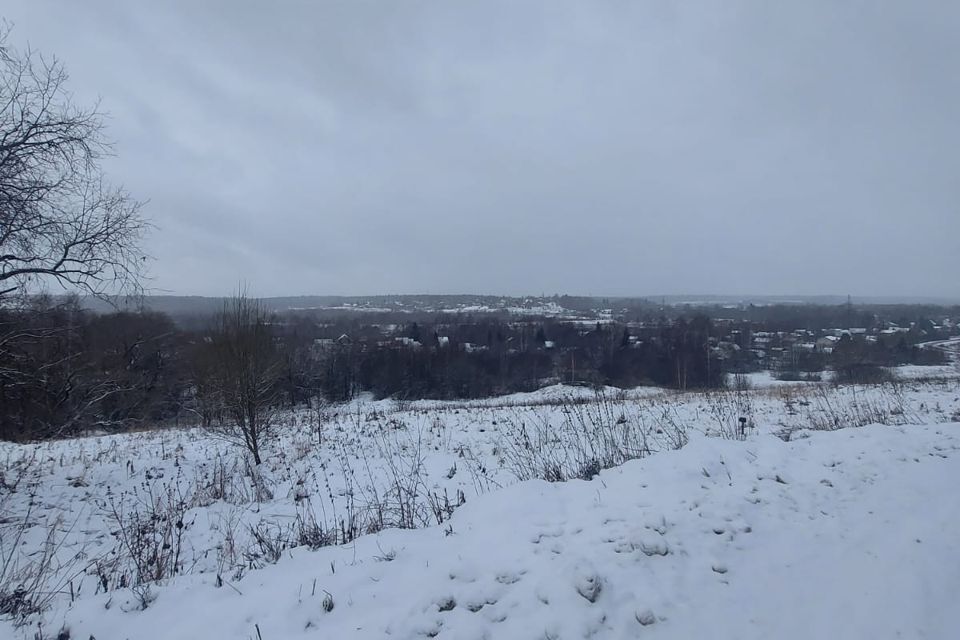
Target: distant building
827,344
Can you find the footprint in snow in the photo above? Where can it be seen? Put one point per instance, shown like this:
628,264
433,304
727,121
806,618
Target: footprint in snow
589,587
509,578
654,546
645,617
446,603
476,605
555,533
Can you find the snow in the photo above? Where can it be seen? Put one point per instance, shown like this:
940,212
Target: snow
908,372
827,536
848,533
913,371
531,308
765,379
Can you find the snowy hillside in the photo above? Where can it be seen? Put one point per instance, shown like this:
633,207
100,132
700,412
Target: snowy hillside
788,533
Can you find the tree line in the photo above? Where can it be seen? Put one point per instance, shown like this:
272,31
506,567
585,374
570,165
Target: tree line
65,370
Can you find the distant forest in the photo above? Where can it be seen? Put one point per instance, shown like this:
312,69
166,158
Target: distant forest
67,370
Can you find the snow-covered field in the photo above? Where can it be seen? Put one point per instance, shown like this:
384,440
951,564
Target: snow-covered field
805,528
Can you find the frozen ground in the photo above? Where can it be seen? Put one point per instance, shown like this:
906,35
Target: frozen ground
844,533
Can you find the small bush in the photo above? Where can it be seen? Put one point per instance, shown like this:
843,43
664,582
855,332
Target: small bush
863,373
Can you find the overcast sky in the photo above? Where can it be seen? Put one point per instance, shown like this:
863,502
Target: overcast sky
609,148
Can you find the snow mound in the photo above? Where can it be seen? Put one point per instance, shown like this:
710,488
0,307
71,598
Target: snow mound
846,534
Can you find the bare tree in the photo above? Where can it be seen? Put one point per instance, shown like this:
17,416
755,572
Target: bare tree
59,219
247,371
64,371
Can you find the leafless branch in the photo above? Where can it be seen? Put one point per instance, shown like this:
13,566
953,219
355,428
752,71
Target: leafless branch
60,221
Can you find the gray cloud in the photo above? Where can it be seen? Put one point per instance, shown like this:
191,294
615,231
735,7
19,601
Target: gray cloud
605,147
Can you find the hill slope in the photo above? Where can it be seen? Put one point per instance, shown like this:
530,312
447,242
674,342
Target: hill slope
848,534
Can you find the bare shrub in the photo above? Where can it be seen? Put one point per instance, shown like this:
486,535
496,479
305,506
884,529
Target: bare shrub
150,538
245,373
29,582
854,406
270,539
731,413
218,481
588,438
